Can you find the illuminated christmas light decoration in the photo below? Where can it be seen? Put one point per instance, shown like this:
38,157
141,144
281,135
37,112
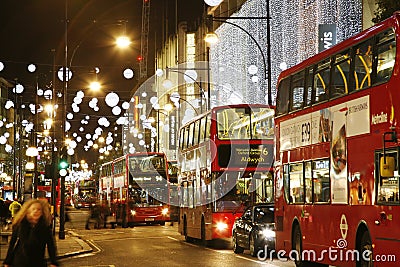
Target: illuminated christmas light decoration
294,37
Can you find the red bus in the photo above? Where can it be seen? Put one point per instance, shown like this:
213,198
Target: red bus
44,192
136,188
84,193
225,160
337,153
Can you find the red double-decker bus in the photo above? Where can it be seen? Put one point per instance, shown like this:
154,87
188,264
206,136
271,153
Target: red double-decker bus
136,188
84,193
225,159
338,155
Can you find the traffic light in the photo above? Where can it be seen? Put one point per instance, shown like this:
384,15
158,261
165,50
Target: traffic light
63,162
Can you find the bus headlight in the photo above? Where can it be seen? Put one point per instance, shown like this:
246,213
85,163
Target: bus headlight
165,211
133,212
221,226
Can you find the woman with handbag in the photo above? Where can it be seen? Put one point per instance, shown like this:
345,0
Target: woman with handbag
31,234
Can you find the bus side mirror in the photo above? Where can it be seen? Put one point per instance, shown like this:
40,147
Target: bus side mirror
386,167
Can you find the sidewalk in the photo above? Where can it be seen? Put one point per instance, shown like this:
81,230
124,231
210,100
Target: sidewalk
72,245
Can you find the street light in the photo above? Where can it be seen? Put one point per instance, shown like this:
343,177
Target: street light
66,76
190,76
212,38
165,111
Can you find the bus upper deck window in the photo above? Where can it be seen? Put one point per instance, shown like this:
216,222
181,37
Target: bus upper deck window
386,49
297,91
321,81
282,104
363,64
341,71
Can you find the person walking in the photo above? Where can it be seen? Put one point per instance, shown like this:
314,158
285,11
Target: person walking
3,213
30,236
14,207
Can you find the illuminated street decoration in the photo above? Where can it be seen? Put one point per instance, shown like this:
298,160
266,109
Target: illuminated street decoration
294,31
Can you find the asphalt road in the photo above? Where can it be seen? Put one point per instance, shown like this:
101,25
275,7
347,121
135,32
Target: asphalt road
154,245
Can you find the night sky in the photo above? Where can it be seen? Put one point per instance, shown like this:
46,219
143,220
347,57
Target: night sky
34,31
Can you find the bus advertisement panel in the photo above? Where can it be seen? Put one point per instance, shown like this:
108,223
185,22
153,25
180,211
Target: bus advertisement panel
338,155
136,187
225,160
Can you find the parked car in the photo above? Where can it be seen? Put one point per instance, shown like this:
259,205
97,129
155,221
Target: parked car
254,230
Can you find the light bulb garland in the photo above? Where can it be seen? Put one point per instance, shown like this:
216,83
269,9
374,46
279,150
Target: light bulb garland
294,37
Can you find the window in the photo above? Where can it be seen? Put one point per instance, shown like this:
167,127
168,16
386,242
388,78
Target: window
308,182
340,78
386,55
309,86
182,138
186,138
321,81
388,187
190,137
282,101
248,123
297,91
247,214
184,195
264,215
286,186
196,132
263,123
296,183
226,118
363,64
202,129
322,192
208,127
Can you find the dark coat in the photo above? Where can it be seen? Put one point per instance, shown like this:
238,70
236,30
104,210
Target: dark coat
27,245
3,209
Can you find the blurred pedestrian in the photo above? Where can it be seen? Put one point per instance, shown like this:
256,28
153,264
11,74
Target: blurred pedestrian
94,216
14,207
3,212
31,234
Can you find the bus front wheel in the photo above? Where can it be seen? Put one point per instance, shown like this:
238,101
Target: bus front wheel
365,251
203,233
297,246
185,233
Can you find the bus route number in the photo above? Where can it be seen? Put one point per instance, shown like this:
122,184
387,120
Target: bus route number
305,132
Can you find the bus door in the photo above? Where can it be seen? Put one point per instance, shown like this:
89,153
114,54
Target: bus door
387,184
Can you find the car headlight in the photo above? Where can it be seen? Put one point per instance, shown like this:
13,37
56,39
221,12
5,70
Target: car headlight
133,212
221,226
165,211
268,233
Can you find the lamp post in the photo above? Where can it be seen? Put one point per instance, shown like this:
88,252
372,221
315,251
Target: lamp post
18,89
61,233
167,109
202,92
210,38
188,77
15,140
66,76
